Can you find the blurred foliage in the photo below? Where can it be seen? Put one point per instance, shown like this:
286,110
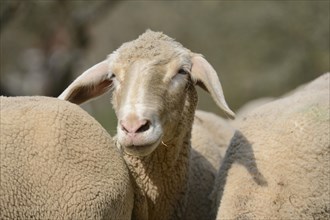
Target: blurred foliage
259,48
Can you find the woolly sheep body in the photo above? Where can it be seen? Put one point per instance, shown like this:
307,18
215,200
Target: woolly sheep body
248,107
211,135
153,80
277,165
57,162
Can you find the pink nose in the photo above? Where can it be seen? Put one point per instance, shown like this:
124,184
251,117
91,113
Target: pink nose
135,126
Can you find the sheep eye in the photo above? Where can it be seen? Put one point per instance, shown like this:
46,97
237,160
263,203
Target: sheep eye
112,76
182,71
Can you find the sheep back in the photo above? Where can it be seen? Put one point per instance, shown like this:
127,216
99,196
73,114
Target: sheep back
57,162
277,165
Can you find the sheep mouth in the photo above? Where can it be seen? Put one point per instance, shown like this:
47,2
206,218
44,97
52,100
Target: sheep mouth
141,150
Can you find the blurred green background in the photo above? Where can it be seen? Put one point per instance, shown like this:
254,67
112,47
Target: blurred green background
259,48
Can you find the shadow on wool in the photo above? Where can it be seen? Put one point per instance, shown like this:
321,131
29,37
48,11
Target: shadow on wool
240,151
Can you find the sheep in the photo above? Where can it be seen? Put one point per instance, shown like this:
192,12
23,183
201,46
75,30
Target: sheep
278,163
153,80
57,162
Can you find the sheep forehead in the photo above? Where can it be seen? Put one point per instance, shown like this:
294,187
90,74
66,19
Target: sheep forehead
153,47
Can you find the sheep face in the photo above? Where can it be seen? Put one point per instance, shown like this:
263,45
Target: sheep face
151,98
154,97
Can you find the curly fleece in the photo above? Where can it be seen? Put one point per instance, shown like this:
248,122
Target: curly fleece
57,162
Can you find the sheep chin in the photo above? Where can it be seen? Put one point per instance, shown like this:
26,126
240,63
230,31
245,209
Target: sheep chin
141,150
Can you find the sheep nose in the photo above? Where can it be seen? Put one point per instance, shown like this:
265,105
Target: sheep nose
135,126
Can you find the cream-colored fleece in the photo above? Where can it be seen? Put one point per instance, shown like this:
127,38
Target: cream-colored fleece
278,163
57,162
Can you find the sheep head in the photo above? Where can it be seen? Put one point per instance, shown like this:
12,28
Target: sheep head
153,80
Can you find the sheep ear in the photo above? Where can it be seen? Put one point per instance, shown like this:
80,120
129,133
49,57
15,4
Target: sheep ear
92,83
206,77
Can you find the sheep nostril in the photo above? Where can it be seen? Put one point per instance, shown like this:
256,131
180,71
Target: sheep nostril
134,126
123,128
144,127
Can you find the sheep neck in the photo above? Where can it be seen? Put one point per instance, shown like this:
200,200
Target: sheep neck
161,179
